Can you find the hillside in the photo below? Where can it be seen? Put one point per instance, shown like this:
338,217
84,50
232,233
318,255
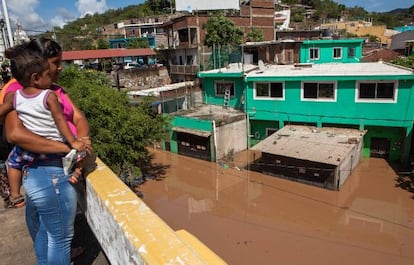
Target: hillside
86,33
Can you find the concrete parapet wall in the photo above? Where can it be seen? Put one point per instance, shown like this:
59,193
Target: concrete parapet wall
129,232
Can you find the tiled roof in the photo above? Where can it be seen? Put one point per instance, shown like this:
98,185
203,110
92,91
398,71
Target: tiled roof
385,55
105,53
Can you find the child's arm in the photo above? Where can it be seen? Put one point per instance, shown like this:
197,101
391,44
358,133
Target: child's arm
56,110
19,135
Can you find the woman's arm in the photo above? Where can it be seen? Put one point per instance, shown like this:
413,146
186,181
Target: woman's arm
19,135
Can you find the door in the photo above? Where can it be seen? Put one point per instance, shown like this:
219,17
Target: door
380,147
194,146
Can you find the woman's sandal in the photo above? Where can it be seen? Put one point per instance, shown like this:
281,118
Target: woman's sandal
18,202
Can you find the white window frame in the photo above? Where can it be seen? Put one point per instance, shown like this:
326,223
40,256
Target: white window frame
224,82
269,91
302,91
340,52
318,50
375,100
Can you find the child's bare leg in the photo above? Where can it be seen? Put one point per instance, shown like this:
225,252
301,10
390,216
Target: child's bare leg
76,174
15,181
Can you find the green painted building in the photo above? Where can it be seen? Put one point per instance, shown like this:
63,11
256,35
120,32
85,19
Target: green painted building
375,97
329,50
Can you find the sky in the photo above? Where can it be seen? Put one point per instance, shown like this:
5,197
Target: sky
41,15
377,5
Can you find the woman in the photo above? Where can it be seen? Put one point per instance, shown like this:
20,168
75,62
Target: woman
51,198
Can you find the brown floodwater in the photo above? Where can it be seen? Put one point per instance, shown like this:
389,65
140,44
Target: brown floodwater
250,218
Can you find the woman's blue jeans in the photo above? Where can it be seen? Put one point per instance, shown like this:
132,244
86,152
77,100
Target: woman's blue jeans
50,211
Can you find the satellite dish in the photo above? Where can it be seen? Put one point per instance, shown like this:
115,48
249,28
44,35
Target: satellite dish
189,9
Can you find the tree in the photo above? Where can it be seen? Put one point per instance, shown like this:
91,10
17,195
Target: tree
102,44
157,6
221,31
120,132
136,43
255,35
405,61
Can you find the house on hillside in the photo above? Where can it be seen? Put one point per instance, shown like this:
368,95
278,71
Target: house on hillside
186,51
362,28
171,97
303,51
121,56
403,43
272,52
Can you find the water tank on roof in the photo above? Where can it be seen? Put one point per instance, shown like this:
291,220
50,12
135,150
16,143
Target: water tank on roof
326,33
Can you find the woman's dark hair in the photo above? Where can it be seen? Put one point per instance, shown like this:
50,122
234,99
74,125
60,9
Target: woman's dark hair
48,47
26,59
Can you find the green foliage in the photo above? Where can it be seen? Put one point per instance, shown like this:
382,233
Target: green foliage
158,6
255,35
119,131
138,43
372,38
221,31
102,44
405,61
327,9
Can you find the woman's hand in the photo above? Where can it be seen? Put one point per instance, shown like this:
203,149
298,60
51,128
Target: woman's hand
86,140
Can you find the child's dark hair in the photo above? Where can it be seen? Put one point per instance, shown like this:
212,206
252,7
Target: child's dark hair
26,59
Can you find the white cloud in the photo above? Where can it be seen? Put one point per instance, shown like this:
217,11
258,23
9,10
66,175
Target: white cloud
91,6
63,16
23,12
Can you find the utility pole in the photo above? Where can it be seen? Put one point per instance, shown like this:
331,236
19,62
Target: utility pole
6,18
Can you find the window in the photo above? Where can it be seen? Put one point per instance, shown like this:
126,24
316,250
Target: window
314,53
221,87
337,53
319,91
270,131
269,90
382,91
189,59
351,52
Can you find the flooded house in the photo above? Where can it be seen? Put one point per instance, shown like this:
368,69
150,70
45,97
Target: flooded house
369,102
322,156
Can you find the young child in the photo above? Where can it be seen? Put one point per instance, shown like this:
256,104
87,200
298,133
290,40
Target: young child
38,108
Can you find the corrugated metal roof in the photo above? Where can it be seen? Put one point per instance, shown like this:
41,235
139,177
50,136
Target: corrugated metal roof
105,53
156,91
325,145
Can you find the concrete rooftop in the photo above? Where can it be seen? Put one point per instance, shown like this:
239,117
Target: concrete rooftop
325,145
